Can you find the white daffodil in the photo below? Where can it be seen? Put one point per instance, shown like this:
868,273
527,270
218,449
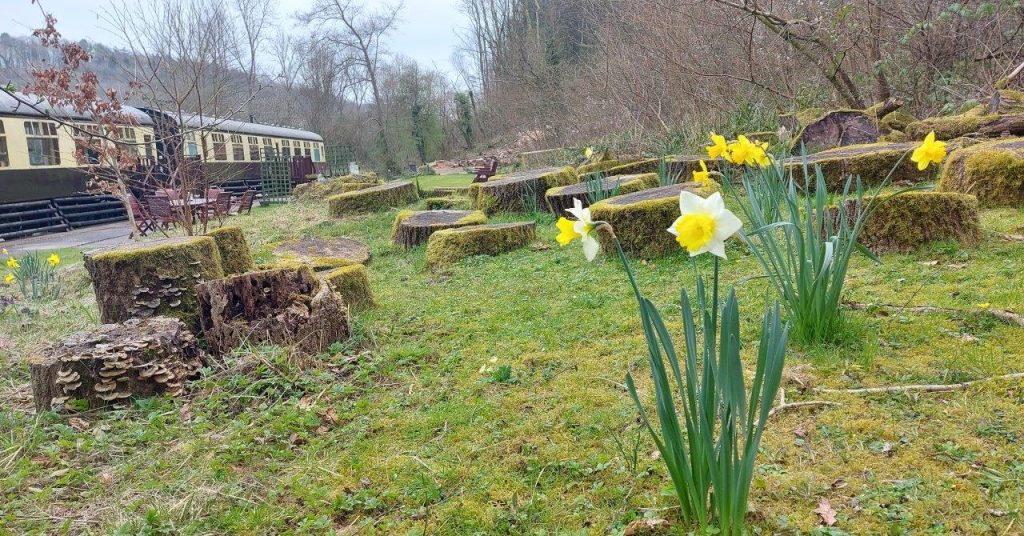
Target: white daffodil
704,225
582,228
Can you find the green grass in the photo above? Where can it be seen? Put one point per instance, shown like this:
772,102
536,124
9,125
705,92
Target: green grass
488,399
429,182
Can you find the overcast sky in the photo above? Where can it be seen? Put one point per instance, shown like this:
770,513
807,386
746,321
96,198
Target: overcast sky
426,31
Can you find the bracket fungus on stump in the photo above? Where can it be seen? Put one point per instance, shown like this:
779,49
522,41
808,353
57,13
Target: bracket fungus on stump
285,306
153,278
412,228
111,364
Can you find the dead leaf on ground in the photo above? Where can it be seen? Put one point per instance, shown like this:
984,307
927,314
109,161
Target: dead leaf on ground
80,425
647,526
826,512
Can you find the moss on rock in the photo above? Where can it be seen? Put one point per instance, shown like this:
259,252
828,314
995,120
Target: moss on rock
903,222
372,199
353,283
452,245
952,126
153,278
235,256
640,219
872,162
991,171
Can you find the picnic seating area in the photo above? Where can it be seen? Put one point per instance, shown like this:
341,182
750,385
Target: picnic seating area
165,209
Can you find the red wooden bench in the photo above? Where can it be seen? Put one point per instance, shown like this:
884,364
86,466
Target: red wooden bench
486,172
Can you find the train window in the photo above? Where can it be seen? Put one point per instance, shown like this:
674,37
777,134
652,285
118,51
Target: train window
191,147
237,151
316,154
5,159
268,149
148,141
43,146
286,152
254,151
308,153
220,149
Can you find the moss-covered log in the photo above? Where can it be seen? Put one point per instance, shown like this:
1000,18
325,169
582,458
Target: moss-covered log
871,162
640,219
353,284
601,165
451,245
113,363
235,256
284,306
323,189
1004,114
838,128
450,191
904,222
323,253
561,198
520,192
679,166
412,228
991,171
455,202
373,199
153,278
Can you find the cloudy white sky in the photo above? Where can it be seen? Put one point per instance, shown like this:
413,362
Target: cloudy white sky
426,31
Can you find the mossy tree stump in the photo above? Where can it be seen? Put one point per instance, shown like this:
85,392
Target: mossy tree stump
235,256
520,192
323,189
679,166
324,253
113,363
902,223
455,202
353,284
871,162
561,198
641,219
153,278
412,228
373,199
284,306
452,245
837,129
991,171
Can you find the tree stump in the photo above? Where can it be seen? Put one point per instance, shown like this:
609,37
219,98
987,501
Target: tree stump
451,245
324,253
115,362
153,278
235,256
373,199
353,283
837,129
413,228
871,162
992,171
521,192
561,198
907,221
640,219
284,306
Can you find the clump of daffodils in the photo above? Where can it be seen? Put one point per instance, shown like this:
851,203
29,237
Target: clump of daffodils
742,151
34,275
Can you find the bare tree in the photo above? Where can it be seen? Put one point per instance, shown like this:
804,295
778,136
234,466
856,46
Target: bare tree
254,18
359,33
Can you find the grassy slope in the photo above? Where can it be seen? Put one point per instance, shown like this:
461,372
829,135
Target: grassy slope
414,438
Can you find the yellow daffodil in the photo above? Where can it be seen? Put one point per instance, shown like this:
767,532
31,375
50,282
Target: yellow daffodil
745,152
984,305
704,224
12,263
701,177
8,279
588,152
718,147
4,251
582,229
53,259
929,152
761,156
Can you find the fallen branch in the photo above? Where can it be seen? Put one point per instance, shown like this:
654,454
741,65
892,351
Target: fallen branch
782,408
927,388
1010,237
1002,314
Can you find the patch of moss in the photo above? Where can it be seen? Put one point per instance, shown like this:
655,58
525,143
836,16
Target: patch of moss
904,222
235,256
452,245
640,219
322,189
602,165
991,171
153,278
952,126
381,197
872,162
455,202
897,120
353,283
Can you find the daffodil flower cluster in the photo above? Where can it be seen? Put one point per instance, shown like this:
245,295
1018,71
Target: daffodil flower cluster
741,151
34,275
